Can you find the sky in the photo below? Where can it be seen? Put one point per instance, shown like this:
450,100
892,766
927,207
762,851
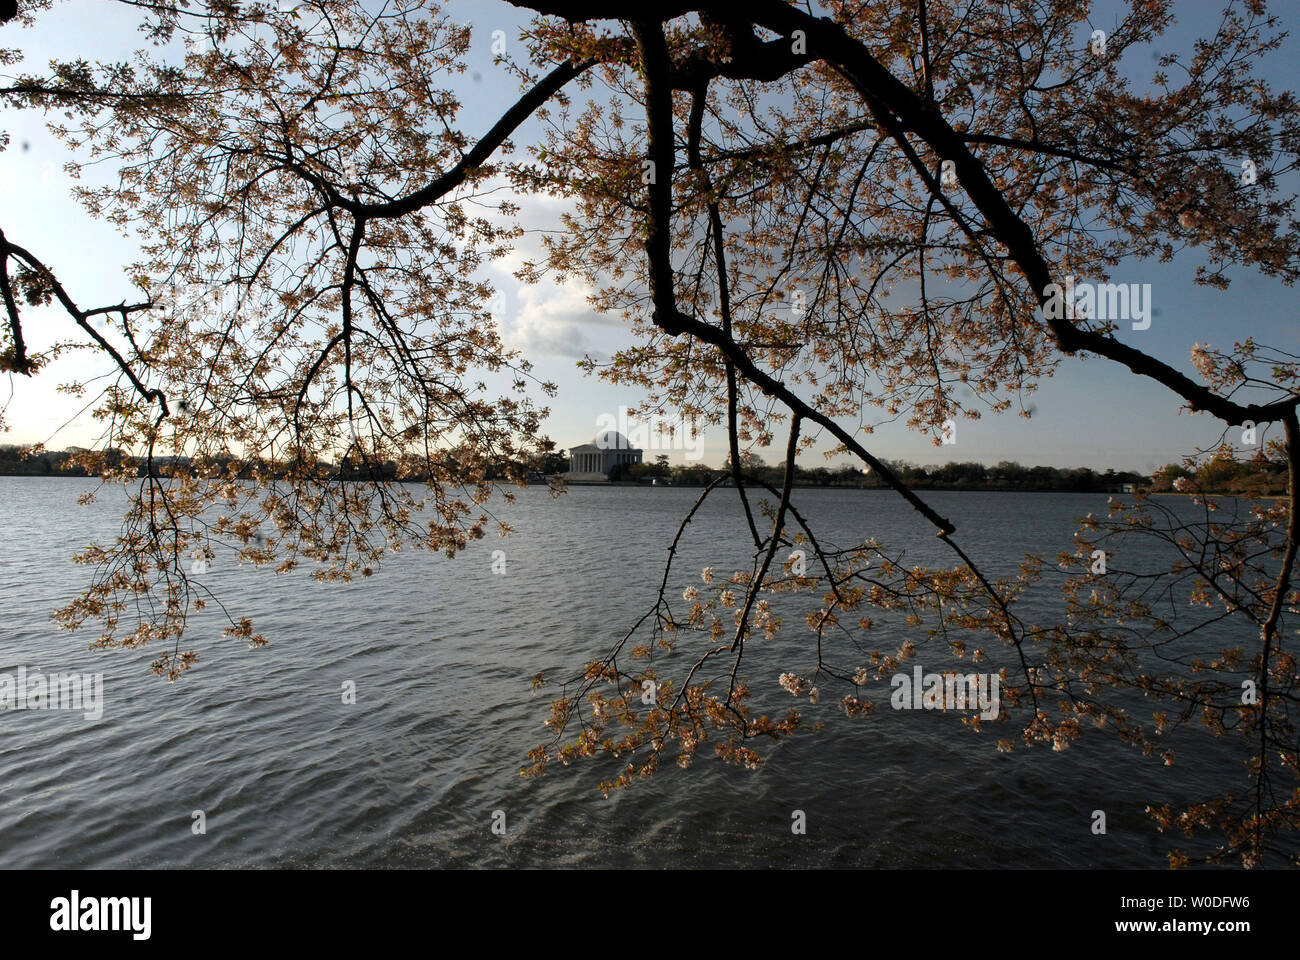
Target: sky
1091,413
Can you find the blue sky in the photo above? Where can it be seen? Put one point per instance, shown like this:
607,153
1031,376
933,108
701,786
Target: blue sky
1091,413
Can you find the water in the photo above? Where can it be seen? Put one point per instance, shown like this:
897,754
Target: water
441,652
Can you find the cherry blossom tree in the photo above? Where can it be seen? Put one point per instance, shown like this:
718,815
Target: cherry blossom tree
801,216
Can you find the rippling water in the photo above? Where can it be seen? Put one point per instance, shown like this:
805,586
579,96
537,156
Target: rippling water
441,652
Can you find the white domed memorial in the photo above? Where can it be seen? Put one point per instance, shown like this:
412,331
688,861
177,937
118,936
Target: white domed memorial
593,462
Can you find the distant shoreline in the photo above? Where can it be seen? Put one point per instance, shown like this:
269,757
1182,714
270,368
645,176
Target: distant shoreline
928,488
836,486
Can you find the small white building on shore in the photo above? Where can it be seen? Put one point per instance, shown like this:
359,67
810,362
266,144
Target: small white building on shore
592,462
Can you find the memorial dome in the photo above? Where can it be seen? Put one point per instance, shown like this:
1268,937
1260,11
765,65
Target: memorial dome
612,440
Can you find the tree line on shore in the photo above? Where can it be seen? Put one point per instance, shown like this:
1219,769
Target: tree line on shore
1257,476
